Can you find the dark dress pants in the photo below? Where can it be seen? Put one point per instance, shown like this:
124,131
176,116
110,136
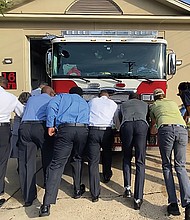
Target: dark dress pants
134,134
69,141
5,148
106,145
96,140
32,136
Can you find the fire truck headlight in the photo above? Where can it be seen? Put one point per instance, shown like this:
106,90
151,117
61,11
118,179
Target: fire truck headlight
147,97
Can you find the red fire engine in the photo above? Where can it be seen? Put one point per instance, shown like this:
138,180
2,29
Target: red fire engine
118,61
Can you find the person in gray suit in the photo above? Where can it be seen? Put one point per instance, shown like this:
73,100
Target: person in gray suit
133,132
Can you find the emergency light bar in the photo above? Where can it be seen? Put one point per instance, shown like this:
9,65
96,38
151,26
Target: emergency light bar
104,33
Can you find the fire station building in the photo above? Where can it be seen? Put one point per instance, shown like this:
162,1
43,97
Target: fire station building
25,27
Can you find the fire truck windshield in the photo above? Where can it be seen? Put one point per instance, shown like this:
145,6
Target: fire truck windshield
112,59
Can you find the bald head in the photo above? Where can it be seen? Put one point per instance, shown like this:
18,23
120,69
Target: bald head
48,90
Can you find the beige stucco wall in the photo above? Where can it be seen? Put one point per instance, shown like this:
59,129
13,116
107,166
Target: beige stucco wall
44,6
139,7
179,42
14,45
15,33
132,7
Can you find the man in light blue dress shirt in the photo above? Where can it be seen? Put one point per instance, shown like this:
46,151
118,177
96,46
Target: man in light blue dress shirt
32,136
69,113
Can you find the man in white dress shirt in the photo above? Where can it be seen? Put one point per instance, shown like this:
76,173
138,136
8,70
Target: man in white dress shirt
102,110
8,103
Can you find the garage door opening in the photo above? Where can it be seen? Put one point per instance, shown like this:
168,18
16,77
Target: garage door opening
38,49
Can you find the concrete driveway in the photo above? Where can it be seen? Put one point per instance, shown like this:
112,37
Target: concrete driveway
111,206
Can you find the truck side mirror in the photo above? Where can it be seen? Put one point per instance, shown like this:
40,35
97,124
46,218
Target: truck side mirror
48,62
171,63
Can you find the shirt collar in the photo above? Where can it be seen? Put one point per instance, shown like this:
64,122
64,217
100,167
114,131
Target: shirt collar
2,89
104,97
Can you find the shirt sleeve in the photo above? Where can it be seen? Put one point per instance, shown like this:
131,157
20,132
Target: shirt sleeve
52,111
19,108
117,118
151,112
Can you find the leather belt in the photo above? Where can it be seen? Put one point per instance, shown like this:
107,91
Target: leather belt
99,128
33,122
4,124
170,125
73,125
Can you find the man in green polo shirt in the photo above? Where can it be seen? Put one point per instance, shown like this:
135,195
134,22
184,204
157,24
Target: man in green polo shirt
172,136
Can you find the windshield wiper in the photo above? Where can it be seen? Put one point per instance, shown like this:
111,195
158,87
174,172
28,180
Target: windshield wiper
139,77
148,80
110,77
78,77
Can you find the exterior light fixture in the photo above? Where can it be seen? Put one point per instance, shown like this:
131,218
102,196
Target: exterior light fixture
178,62
7,61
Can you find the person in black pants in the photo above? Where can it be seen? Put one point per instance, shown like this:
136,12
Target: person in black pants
98,137
101,135
32,135
9,104
133,131
70,113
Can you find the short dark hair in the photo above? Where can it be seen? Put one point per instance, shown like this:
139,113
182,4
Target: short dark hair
133,95
161,96
184,86
23,97
76,90
3,82
103,92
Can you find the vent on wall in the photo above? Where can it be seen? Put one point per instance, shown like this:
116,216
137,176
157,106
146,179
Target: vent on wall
93,7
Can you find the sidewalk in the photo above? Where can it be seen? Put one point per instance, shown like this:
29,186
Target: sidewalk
111,206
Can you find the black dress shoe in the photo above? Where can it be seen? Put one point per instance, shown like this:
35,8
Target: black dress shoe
127,193
79,193
2,201
27,204
44,210
95,199
187,212
106,178
137,205
82,189
173,209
